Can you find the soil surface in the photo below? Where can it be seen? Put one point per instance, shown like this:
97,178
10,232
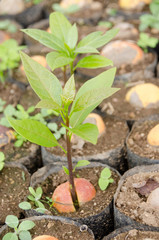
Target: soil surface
14,184
96,205
137,235
28,154
131,203
62,231
137,141
10,93
117,106
112,138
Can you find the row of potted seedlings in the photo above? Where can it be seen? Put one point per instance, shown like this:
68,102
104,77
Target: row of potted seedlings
113,155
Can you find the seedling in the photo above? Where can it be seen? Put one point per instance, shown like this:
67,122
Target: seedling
21,231
105,179
145,41
8,26
2,158
106,24
2,103
150,20
63,39
9,57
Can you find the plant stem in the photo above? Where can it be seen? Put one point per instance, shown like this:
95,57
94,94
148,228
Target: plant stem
71,68
70,168
64,75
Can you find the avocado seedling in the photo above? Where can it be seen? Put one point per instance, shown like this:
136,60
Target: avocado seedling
63,39
21,231
73,109
9,57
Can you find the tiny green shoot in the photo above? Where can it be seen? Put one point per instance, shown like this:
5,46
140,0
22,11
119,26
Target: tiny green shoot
21,230
105,179
145,41
2,158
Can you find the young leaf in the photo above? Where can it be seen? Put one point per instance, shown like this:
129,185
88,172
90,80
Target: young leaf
87,131
39,191
107,37
72,37
34,131
106,173
26,225
86,49
66,170
10,236
94,61
103,80
56,60
37,75
47,39
25,205
90,39
48,104
69,91
81,163
103,183
59,25
32,191
12,221
24,235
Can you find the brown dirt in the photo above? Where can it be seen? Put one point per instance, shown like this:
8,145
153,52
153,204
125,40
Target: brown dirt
10,93
137,141
111,139
123,109
137,235
96,205
13,190
62,231
134,205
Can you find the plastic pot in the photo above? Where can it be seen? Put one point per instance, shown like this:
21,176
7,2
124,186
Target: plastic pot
120,219
136,159
130,231
57,227
101,223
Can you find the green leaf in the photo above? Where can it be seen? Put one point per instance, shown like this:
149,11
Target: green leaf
72,37
87,131
48,104
37,76
32,191
52,127
107,37
86,49
103,183
81,163
26,225
18,143
106,173
47,39
69,91
90,39
24,235
56,60
103,80
25,205
34,131
9,110
59,25
66,170
10,236
12,221
94,61
39,191
2,157
31,198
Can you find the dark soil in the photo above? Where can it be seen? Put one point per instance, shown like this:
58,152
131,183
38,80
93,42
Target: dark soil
131,203
10,92
116,132
61,230
96,205
29,98
14,184
117,106
137,235
137,141
28,154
